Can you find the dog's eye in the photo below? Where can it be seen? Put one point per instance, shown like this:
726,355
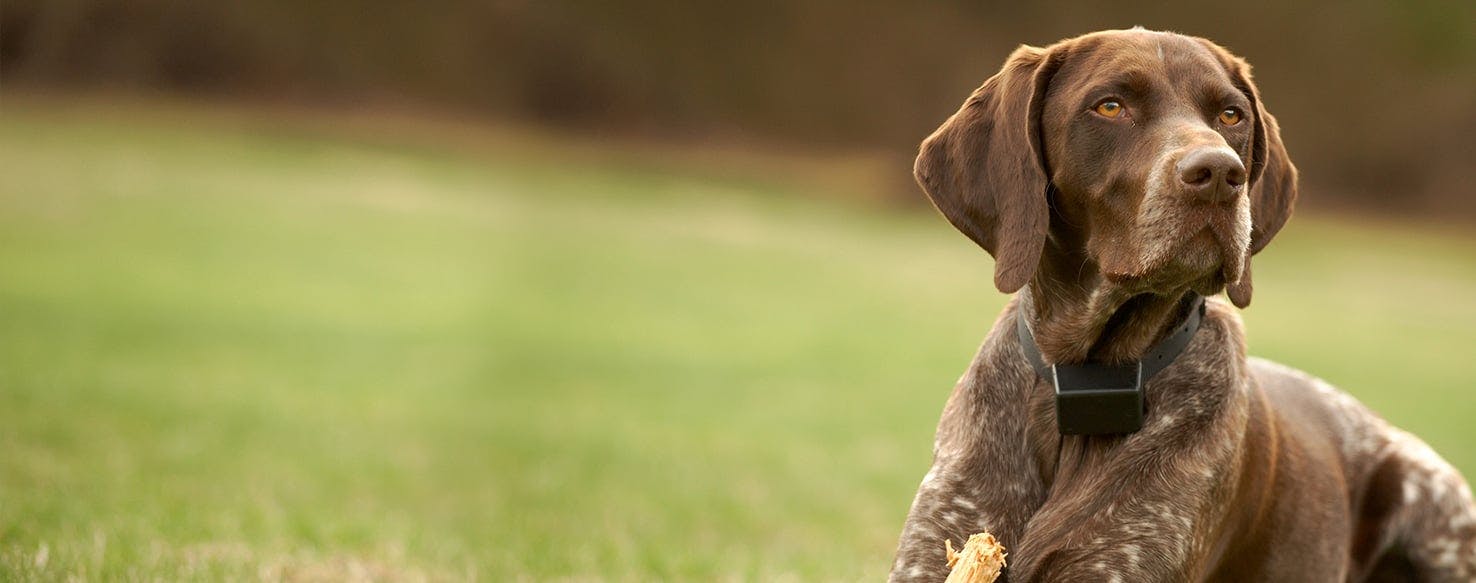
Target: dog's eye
1230,116
1109,109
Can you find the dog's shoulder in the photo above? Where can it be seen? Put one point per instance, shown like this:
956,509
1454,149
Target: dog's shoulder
1319,412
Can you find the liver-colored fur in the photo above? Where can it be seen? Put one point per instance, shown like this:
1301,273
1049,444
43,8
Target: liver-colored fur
1245,470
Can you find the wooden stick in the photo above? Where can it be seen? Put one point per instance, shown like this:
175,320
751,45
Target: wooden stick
980,560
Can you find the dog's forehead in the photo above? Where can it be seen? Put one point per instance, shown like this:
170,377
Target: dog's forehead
1147,58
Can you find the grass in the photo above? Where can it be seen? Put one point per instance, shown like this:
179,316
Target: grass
245,348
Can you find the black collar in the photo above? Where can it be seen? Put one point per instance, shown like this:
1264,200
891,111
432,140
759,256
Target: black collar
1101,399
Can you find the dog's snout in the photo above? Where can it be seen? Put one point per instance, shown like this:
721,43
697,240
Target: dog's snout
1211,174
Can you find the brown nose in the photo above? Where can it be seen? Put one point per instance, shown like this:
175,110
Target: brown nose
1211,175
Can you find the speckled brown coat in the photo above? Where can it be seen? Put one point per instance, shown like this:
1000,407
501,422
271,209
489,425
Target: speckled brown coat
1100,217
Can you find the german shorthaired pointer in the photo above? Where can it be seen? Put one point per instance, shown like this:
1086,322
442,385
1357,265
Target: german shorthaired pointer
1117,178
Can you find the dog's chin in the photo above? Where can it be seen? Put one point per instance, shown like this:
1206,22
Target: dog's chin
1194,247
1205,262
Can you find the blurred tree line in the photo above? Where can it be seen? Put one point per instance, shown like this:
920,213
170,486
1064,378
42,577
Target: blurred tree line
1377,99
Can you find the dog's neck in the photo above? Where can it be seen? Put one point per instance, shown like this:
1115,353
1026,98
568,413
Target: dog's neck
1077,316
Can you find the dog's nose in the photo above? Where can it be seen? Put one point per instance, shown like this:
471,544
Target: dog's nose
1211,174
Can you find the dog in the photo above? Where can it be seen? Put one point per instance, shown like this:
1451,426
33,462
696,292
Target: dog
1118,179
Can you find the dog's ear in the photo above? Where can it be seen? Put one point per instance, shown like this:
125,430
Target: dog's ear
985,168
1273,178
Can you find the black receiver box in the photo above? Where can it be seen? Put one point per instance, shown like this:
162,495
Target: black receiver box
1098,399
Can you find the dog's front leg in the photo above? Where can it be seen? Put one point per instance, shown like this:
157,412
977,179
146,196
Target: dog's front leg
1131,513
983,477
951,504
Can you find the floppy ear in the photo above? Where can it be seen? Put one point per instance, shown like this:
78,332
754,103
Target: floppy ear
985,169
1273,179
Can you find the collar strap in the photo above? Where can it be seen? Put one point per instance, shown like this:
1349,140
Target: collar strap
1104,399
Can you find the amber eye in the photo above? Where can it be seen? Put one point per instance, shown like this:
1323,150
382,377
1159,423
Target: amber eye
1230,116
1109,109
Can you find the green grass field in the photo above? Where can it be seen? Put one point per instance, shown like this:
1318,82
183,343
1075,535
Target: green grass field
232,347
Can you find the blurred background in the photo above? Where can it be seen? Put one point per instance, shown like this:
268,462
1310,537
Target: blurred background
521,290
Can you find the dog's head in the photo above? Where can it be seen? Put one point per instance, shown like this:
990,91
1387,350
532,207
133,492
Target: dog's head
1148,154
